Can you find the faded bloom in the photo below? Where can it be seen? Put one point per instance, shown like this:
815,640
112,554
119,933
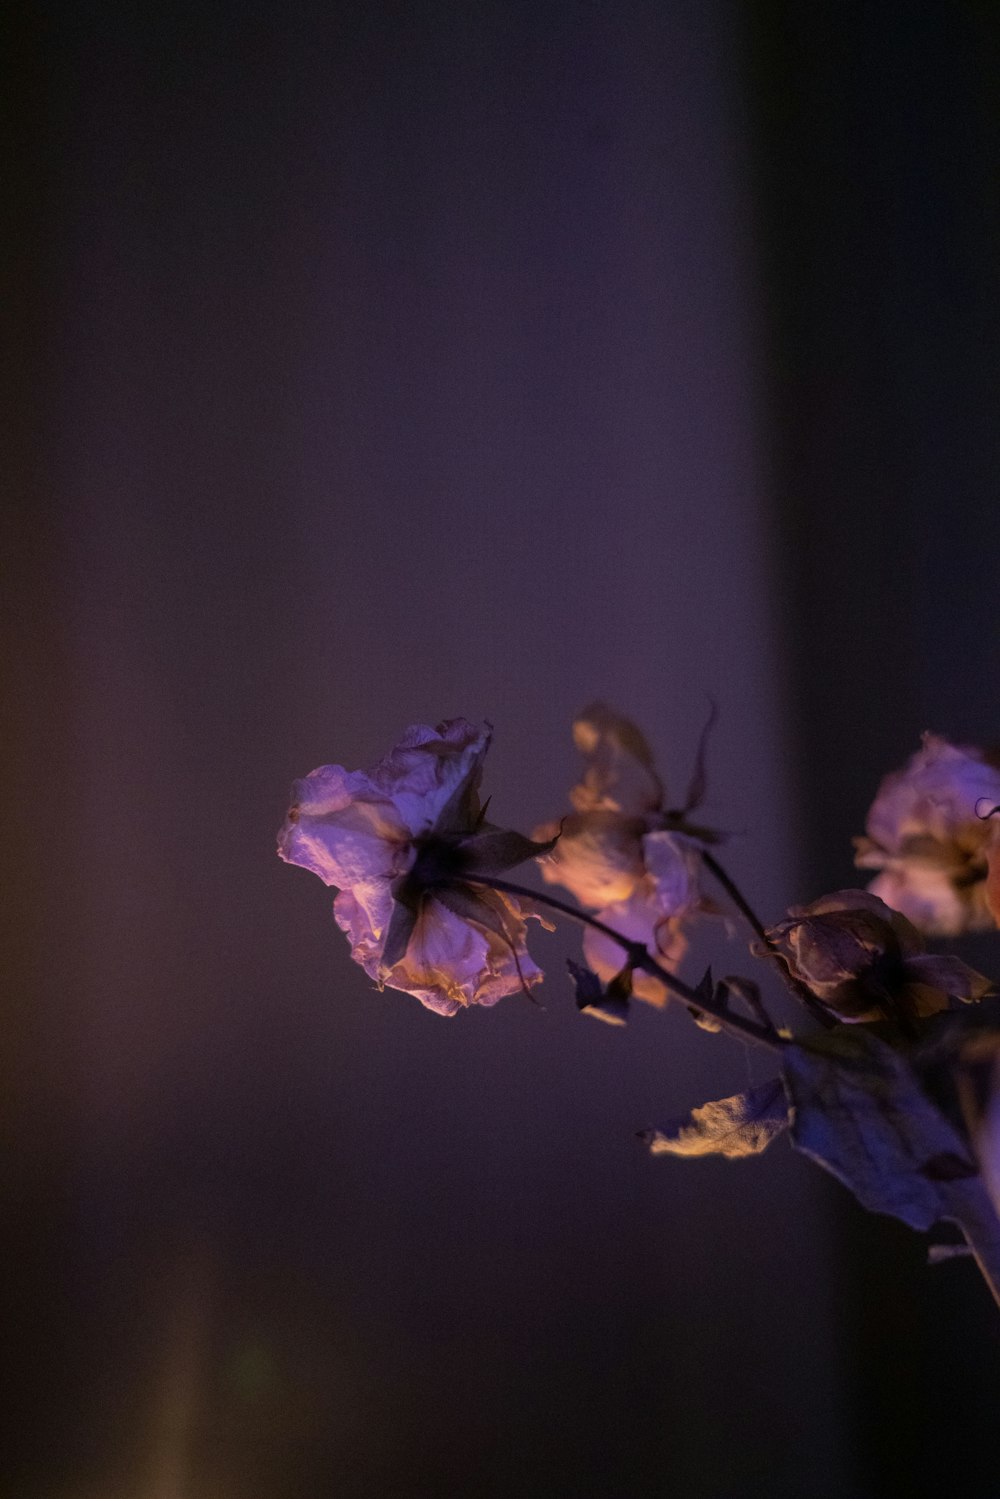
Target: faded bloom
621,854
649,916
867,961
402,843
924,835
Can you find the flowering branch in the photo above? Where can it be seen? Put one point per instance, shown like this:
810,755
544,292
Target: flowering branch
639,956
897,1094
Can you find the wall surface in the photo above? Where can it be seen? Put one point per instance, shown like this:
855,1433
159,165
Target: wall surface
387,364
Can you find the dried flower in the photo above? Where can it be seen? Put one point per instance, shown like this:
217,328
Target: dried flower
622,854
924,835
867,961
403,843
646,917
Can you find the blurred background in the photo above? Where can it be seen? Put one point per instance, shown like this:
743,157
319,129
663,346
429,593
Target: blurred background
379,363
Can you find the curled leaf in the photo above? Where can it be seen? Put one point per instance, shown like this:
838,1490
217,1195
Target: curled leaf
707,989
401,926
749,992
592,998
743,1125
859,1111
698,784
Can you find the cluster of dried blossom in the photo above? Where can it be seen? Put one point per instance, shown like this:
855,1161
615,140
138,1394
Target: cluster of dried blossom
409,849
897,1092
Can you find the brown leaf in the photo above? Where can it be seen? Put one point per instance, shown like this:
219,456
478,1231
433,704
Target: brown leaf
742,1125
859,1111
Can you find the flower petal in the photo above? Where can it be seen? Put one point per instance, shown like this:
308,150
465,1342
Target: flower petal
852,951
640,919
925,836
339,828
935,793
365,914
451,963
673,862
598,856
929,898
869,902
620,776
432,776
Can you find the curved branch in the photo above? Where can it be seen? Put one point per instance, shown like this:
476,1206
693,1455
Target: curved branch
802,992
640,957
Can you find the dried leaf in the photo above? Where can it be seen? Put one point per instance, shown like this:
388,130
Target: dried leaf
698,784
481,906
707,989
592,998
749,992
488,909
955,1059
463,810
944,972
496,851
859,1111
400,930
743,1125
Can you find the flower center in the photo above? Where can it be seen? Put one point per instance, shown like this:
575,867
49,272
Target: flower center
437,862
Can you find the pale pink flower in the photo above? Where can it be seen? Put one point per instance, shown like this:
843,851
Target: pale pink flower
622,854
866,961
924,835
402,843
651,915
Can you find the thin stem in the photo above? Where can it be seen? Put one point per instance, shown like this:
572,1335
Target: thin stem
750,996
801,991
640,957
970,1207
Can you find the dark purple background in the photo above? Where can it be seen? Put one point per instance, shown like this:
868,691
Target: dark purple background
384,363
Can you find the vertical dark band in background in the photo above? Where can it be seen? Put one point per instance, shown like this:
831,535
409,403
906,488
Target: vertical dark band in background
876,133
37,1293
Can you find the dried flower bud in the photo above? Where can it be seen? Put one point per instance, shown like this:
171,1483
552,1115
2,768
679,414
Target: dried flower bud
622,854
867,962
